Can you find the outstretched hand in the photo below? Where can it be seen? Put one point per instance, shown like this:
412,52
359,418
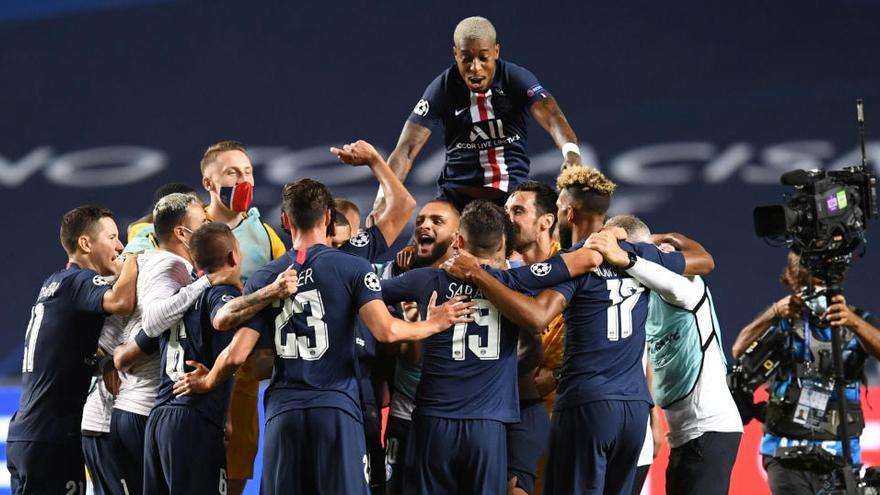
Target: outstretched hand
462,265
452,312
359,152
194,382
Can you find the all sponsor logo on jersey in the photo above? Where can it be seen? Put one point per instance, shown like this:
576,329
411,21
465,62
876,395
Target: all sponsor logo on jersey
421,107
371,280
541,269
360,240
486,134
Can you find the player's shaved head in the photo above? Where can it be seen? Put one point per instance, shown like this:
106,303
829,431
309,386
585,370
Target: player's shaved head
211,246
82,220
305,203
636,230
483,226
473,28
436,225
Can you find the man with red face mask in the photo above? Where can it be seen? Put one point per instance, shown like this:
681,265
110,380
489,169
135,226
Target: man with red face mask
481,102
227,175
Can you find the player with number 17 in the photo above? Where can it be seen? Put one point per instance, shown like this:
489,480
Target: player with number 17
602,404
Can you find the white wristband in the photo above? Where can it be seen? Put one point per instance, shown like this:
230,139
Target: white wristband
570,148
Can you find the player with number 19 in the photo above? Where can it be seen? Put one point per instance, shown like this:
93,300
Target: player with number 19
43,450
468,392
601,411
314,389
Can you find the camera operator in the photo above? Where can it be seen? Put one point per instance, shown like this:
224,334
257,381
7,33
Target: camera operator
789,420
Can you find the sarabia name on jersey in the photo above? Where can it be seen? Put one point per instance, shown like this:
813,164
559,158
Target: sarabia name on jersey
469,371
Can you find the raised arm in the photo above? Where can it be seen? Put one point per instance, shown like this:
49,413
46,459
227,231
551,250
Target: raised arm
399,203
412,138
548,114
121,299
388,329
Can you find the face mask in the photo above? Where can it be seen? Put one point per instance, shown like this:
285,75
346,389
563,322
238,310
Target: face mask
238,197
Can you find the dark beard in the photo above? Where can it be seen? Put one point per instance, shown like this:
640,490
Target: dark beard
437,252
565,240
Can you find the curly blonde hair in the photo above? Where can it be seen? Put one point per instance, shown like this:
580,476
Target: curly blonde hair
585,178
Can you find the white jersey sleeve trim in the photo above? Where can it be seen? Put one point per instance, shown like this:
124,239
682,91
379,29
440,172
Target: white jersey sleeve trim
673,288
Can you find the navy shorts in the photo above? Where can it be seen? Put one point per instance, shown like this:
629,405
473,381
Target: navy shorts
594,447
183,453
42,467
526,443
396,436
317,450
127,439
458,455
104,472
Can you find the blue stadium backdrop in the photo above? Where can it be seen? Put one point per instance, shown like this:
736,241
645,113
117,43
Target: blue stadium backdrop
694,108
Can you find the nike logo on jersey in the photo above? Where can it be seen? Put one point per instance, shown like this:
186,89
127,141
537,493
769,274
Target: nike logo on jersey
459,112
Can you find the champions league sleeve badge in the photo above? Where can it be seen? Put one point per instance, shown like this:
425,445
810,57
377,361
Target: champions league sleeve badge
540,269
360,240
371,280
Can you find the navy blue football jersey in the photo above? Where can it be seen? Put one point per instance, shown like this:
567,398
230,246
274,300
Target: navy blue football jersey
369,244
485,133
469,370
313,331
59,350
605,332
194,338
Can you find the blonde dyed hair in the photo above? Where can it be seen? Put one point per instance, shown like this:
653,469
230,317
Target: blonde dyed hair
585,178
